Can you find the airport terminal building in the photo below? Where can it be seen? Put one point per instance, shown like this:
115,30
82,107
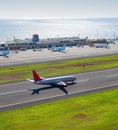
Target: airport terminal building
35,42
18,43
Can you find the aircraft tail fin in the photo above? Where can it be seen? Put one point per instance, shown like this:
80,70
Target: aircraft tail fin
36,76
64,46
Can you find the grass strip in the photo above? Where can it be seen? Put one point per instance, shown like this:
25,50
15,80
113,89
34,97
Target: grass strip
97,111
55,68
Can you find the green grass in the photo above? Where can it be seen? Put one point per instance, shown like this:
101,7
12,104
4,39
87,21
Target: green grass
20,73
98,111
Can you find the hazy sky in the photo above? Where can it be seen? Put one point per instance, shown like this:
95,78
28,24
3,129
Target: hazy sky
58,8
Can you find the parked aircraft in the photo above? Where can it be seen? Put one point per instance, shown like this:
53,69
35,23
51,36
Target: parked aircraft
4,52
54,48
60,82
101,45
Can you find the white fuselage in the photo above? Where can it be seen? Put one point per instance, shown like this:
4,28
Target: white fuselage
56,80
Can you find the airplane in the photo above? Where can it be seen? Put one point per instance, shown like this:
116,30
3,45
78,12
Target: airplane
59,82
54,48
101,45
4,53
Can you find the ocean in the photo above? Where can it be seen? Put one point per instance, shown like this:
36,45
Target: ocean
53,28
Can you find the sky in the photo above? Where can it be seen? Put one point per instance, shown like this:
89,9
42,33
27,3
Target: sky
58,9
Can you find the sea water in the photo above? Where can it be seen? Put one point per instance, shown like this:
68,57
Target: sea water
53,28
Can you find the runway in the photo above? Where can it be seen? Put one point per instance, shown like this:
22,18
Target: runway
17,95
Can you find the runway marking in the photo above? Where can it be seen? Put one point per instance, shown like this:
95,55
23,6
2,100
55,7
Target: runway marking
14,83
1,94
83,80
98,88
114,75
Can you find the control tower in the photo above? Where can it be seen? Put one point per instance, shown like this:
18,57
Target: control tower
35,38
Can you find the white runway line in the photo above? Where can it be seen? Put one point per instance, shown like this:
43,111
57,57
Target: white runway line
2,94
83,80
56,96
114,75
14,83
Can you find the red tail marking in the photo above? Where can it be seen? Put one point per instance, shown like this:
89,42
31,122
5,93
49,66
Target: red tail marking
36,76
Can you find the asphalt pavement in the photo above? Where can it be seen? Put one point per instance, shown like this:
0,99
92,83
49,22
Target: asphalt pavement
17,95
30,56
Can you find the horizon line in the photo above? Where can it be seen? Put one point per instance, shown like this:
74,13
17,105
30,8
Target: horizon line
58,18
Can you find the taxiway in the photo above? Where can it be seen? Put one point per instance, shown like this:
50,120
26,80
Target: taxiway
30,56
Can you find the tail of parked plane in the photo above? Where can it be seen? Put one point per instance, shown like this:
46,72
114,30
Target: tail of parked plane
36,76
64,45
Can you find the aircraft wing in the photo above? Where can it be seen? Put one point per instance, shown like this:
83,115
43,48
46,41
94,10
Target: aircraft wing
62,83
31,80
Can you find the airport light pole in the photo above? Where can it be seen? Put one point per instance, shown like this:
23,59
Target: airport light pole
114,35
97,36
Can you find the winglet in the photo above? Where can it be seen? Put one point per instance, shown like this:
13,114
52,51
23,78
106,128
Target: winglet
36,76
